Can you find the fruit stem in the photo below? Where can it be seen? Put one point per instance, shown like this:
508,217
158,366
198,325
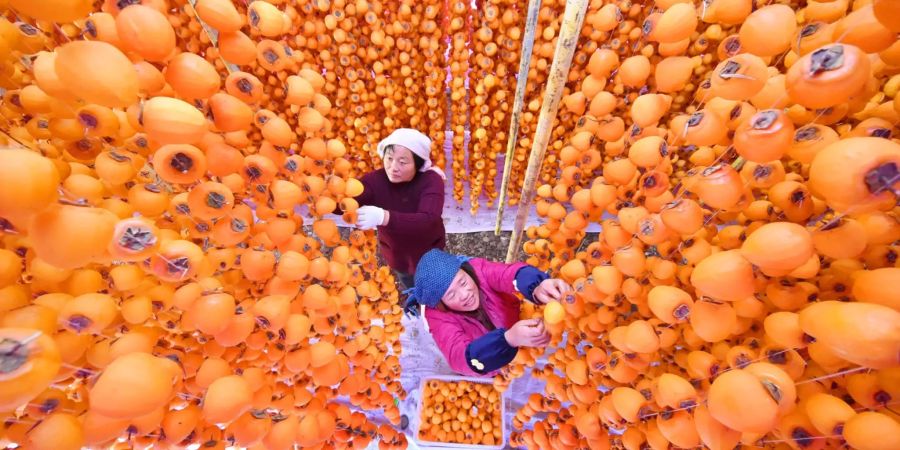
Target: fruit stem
883,178
16,354
7,227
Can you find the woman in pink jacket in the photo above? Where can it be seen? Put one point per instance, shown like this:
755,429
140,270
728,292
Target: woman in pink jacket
472,308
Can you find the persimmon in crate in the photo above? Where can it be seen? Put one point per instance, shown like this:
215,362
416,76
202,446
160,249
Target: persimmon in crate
461,412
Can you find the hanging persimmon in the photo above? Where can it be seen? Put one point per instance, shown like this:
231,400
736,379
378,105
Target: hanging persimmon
220,14
827,76
88,313
792,244
836,325
768,30
856,173
237,48
55,11
768,388
96,72
244,86
229,113
226,399
57,431
179,163
145,31
72,236
32,361
171,121
28,184
192,77
149,384
176,260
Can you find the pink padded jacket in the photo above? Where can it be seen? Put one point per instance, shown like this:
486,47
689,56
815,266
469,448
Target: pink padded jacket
453,332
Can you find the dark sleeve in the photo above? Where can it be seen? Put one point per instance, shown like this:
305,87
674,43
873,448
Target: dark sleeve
527,280
489,352
428,213
369,182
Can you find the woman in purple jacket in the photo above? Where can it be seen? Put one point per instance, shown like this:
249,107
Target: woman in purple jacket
472,308
404,201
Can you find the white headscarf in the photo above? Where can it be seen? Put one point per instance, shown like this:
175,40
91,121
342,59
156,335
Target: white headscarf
416,142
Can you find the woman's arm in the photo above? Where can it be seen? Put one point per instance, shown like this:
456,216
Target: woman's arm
498,348
536,286
490,352
502,278
527,279
469,355
428,212
533,284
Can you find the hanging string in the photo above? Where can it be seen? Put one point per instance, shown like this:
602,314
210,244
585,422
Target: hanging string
833,375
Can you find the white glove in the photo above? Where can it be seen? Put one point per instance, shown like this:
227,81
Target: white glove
369,217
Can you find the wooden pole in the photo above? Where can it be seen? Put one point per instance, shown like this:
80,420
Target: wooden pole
534,7
567,40
213,36
10,136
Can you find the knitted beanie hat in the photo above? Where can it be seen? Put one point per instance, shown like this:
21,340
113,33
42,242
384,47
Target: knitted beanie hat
434,273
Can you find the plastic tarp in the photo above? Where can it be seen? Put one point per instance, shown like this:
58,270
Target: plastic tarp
422,359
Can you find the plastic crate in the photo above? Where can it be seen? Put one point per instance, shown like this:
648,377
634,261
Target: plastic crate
417,417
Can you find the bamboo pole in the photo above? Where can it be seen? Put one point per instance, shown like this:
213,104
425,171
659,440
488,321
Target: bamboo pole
10,136
213,36
573,19
534,7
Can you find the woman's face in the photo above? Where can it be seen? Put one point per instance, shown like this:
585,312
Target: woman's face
399,164
463,294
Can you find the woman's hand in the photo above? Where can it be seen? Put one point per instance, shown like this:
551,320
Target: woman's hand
527,333
550,290
370,217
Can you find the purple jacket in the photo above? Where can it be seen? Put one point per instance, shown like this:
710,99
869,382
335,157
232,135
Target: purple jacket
416,225
468,346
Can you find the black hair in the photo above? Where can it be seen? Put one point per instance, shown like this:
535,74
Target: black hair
417,160
470,271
